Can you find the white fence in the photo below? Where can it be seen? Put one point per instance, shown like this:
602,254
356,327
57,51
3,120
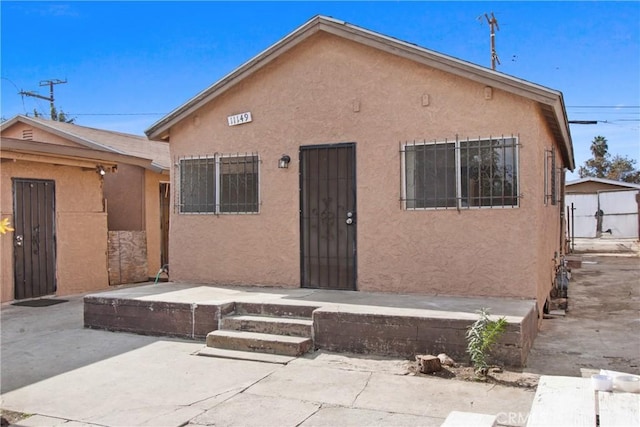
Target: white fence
619,208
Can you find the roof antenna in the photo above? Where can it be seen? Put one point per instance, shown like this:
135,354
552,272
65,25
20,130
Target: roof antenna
493,23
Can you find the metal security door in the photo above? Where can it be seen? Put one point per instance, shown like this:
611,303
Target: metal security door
328,216
34,238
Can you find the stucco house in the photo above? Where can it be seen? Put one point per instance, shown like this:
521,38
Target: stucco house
340,158
598,207
70,191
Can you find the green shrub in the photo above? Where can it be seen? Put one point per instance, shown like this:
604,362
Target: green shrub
481,336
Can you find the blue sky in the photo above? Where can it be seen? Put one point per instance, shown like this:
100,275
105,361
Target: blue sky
128,63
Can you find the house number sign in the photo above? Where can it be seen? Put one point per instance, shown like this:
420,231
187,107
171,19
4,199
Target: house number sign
239,119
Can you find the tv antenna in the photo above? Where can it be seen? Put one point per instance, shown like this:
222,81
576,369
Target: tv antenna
493,25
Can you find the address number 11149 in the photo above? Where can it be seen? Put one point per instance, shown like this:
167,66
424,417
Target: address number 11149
239,119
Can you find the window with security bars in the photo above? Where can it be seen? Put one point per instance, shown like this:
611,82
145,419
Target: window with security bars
219,184
461,174
551,173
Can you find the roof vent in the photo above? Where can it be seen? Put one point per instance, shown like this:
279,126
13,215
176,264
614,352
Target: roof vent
27,134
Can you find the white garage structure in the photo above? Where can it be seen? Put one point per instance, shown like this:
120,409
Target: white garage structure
617,201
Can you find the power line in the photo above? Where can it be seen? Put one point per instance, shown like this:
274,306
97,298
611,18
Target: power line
603,106
49,98
16,86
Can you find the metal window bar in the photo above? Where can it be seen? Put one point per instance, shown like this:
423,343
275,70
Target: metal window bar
559,186
217,184
554,188
200,171
503,175
238,181
485,175
550,185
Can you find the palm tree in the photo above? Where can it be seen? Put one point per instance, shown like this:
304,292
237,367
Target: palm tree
599,147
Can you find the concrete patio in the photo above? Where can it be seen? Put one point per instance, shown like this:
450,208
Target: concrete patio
343,321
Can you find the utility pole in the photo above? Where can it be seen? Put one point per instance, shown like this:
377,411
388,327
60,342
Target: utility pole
493,23
50,98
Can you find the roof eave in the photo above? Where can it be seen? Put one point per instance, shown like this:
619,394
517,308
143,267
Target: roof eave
48,149
66,135
88,144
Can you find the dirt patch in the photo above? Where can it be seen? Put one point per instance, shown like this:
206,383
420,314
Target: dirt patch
496,375
596,331
8,418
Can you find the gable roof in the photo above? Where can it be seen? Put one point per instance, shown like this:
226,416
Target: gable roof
152,155
550,101
621,184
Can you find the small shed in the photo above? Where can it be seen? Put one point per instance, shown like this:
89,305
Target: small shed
77,196
597,206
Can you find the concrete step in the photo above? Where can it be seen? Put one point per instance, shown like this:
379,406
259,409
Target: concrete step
265,343
268,325
245,355
275,310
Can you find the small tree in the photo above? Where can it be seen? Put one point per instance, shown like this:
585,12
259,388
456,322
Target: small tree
61,116
56,116
481,337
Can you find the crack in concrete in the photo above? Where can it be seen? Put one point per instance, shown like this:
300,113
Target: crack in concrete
363,389
240,391
310,415
213,397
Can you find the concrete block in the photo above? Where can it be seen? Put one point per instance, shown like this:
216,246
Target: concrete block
405,336
205,319
146,317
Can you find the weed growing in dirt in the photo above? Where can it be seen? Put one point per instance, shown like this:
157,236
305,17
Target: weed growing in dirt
481,336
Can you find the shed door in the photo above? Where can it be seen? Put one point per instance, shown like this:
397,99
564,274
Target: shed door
34,238
328,216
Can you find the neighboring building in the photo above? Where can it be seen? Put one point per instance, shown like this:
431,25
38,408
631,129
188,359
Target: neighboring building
64,187
408,171
603,207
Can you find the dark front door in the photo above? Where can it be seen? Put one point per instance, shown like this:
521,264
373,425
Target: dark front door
164,224
328,216
34,238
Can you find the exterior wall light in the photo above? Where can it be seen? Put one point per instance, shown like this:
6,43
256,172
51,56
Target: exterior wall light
100,170
283,163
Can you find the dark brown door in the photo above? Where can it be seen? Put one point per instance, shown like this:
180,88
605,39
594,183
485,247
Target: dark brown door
164,223
328,216
34,238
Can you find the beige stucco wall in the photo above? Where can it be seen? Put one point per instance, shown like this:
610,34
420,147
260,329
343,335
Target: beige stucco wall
307,97
81,226
124,192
